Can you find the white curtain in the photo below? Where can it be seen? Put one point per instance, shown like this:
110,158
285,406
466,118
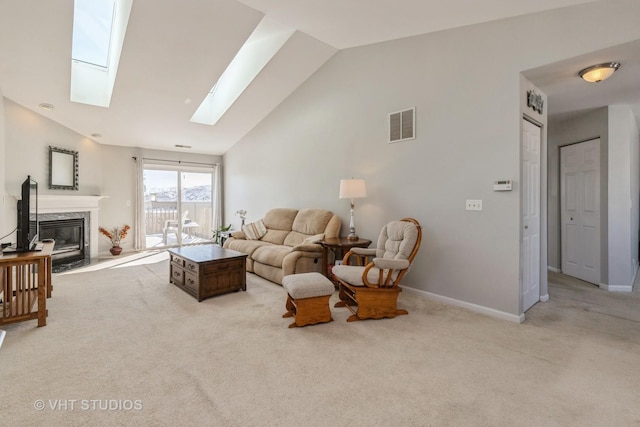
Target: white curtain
217,196
139,238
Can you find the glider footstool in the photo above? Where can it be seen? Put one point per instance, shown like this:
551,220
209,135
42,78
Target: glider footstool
308,298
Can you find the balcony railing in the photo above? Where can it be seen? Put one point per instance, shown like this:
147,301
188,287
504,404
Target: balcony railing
157,215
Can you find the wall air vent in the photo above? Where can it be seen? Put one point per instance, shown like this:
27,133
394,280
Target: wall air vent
402,125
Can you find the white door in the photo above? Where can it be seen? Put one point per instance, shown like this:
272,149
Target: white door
530,214
580,210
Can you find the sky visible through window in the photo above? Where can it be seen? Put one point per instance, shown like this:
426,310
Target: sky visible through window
92,24
197,186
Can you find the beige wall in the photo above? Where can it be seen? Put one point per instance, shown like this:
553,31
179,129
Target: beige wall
465,85
28,137
104,170
4,198
623,198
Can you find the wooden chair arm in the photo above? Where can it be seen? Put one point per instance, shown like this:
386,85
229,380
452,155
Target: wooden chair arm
364,251
390,272
360,258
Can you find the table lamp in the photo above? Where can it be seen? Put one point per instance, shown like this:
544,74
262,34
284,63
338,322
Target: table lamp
352,189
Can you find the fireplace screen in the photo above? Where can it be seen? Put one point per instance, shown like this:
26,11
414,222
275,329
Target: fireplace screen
69,237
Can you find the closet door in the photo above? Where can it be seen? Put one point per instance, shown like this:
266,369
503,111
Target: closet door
580,210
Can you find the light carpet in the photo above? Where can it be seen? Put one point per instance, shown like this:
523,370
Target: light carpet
122,346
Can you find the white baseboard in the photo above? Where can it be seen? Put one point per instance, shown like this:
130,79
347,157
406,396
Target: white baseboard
616,288
555,270
469,306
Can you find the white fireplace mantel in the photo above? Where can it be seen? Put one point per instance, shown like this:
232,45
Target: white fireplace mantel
66,203
53,203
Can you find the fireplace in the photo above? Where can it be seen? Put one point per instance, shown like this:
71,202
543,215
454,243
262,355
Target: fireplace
59,207
71,247
69,230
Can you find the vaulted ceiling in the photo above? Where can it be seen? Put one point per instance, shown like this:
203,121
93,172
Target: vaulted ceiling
174,52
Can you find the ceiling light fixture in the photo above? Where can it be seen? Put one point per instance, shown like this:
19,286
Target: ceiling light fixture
48,107
600,72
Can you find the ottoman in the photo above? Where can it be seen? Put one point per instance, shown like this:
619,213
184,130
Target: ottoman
308,298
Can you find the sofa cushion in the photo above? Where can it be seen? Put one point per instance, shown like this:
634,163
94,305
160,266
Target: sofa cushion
278,222
271,254
308,222
352,274
280,218
255,230
311,221
244,246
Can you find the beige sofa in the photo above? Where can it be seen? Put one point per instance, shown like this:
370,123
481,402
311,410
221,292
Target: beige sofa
286,246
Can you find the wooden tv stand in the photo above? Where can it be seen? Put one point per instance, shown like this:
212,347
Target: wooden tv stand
26,280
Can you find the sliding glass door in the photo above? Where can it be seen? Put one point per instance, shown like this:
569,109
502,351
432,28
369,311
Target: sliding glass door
196,206
178,205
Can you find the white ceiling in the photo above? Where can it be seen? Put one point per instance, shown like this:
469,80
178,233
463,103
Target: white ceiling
175,51
569,95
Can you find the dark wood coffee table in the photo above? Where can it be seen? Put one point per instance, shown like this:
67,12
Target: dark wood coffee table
207,270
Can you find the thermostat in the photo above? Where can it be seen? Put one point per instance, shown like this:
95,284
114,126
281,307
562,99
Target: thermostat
504,185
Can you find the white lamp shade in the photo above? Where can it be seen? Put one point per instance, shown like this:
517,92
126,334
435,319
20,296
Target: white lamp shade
352,189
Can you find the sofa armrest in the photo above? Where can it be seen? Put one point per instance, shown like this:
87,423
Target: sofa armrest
309,247
238,234
291,259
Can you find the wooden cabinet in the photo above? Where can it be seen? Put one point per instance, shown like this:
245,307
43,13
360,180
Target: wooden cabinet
207,270
25,279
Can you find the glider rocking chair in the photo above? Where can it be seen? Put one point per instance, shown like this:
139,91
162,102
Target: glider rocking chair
370,287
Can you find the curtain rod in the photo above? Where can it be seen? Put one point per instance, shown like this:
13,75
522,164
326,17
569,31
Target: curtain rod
176,161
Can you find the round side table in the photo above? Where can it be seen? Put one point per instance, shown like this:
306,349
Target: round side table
339,246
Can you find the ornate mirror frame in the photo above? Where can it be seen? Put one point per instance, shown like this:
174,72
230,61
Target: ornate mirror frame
63,169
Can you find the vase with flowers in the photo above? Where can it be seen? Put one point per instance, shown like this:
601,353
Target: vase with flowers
242,214
115,235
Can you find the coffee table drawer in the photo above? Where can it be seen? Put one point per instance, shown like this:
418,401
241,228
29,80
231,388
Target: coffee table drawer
222,266
177,261
177,275
191,282
191,266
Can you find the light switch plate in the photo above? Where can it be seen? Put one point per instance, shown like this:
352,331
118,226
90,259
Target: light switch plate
474,205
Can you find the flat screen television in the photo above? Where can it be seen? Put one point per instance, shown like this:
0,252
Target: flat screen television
27,231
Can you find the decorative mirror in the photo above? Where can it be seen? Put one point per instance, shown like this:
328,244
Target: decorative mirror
63,169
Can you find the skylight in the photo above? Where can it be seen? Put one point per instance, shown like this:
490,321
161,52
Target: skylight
92,26
99,27
263,44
